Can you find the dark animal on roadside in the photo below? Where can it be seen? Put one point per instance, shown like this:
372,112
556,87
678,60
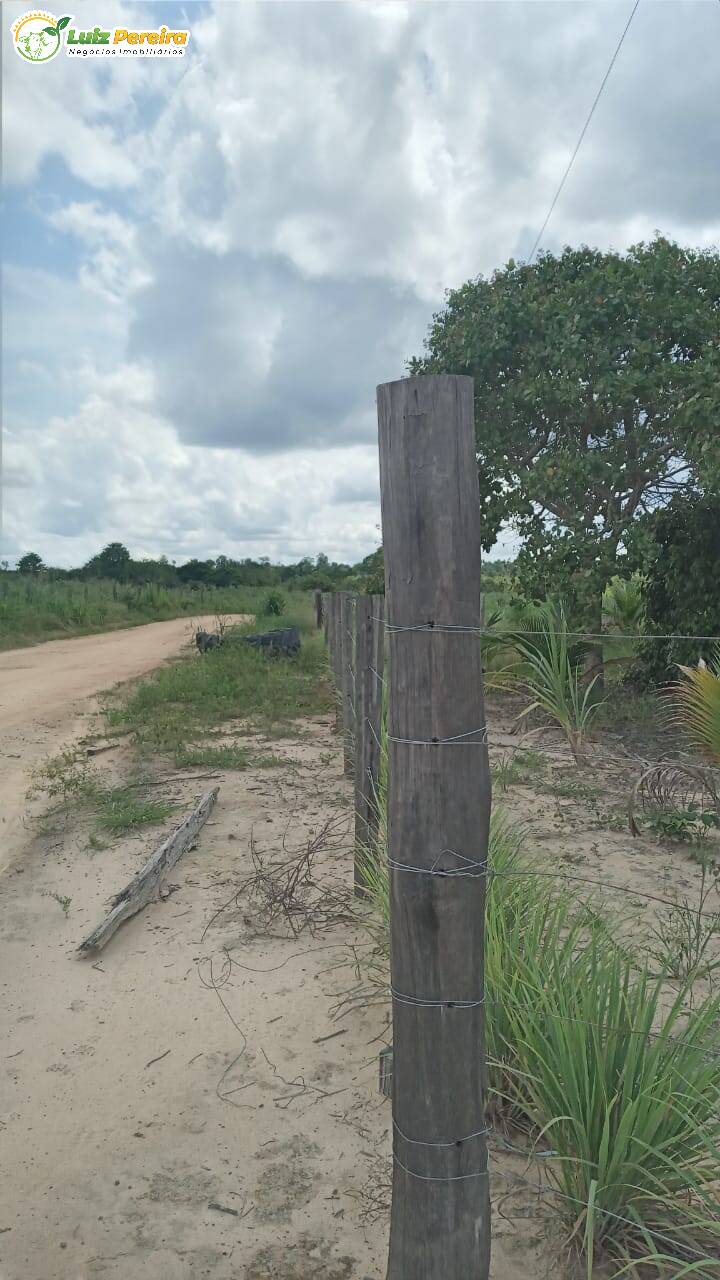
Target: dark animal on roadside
286,641
207,640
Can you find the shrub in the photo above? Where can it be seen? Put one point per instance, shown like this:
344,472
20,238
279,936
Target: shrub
695,699
274,604
623,605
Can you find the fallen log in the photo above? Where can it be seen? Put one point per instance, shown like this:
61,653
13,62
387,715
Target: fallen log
143,888
284,640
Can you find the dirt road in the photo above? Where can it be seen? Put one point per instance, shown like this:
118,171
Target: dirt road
46,695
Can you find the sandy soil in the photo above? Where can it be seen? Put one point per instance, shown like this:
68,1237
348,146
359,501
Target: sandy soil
256,1145
44,701
168,1114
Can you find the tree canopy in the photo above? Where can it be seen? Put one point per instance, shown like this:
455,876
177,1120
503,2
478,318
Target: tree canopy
112,562
597,397
680,586
31,562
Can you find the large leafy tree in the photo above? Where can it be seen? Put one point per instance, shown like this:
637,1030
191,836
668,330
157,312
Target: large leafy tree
597,397
112,562
31,562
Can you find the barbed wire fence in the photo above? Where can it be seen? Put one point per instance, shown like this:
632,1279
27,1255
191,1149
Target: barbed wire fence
369,738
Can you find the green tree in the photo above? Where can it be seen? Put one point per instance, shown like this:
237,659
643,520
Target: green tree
31,562
681,545
112,562
597,394
197,571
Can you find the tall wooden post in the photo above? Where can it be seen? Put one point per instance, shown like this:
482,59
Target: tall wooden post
347,680
318,602
335,646
438,817
369,667
325,600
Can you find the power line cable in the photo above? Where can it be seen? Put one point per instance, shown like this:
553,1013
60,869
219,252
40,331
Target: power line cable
583,131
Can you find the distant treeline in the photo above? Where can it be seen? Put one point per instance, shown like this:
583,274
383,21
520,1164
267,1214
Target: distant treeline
114,563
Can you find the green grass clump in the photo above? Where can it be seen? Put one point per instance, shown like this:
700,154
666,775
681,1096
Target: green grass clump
226,757
624,1093
121,809
231,756
687,823
552,678
515,767
74,783
180,703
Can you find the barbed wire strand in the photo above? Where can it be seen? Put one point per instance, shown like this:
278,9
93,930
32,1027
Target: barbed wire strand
446,628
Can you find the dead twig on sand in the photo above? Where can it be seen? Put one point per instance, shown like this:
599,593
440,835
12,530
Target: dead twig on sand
288,888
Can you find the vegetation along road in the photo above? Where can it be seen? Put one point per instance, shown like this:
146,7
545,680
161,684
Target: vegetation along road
46,696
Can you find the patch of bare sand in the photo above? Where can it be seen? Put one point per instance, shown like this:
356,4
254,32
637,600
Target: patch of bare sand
576,821
257,1147
45,701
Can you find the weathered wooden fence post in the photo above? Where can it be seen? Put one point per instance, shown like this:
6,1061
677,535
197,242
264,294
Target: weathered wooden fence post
347,679
318,601
325,599
369,667
438,817
334,648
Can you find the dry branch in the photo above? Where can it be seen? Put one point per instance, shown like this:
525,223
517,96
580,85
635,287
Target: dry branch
144,886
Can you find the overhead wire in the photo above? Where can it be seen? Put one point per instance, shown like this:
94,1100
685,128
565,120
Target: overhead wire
583,131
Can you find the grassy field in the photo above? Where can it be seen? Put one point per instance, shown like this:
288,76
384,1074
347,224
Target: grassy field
35,609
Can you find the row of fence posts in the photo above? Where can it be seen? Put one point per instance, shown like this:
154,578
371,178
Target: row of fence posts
438,810
354,629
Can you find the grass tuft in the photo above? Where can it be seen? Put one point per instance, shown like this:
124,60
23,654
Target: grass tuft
231,756
121,809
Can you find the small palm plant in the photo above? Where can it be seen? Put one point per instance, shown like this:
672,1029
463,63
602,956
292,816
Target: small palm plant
695,700
623,605
553,678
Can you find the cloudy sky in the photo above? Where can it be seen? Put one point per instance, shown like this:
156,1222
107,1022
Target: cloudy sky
210,262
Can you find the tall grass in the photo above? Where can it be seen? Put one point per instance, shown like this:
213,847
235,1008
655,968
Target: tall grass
552,678
584,1054
625,1093
33,609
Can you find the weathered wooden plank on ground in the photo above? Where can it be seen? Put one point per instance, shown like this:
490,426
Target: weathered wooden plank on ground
369,667
144,886
438,813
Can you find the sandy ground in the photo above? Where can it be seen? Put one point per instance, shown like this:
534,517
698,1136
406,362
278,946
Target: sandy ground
257,1145
168,1114
45,694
